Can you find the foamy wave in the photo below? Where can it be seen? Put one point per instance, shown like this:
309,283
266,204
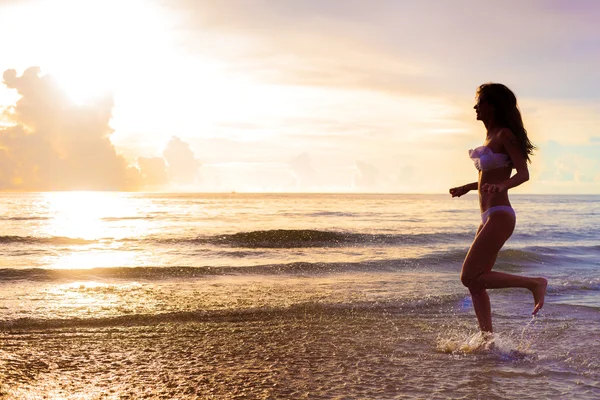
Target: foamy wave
186,272
574,284
447,261
233,315
291,238
507,258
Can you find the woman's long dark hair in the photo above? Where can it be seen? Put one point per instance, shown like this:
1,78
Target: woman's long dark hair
506,113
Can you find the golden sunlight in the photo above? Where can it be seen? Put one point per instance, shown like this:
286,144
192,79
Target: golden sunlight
93,217
84,215
90,259
85,297
89,47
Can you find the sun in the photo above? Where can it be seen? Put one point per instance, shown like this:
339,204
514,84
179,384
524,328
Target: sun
90,47
83,86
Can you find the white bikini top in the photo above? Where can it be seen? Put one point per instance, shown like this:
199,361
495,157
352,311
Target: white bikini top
485,159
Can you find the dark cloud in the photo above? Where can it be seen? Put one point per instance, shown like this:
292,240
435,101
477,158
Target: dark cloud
55,144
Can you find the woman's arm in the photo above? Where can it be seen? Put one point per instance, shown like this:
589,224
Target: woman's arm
461,190
471,186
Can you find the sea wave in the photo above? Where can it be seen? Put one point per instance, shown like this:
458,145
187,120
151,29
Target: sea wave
508,258
567,234
24,218
574,284
187,272
127,218
301,310
530,255
441,261
291,238
48,240
332,214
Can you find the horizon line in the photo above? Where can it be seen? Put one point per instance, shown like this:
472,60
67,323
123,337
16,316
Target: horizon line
274,193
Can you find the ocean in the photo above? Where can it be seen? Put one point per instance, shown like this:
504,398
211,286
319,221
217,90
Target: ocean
290,296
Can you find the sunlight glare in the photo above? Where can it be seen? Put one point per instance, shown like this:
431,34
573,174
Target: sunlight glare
90,259
83,214
90,47
84,297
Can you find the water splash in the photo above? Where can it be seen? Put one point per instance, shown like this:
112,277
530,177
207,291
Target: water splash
505,345
459,342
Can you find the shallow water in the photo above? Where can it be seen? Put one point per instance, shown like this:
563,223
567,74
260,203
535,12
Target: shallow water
291,296
307,352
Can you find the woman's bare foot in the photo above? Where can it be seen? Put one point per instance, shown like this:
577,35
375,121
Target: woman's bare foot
539,292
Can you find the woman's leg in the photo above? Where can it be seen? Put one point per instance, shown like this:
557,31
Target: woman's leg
477,272
481,300
483,309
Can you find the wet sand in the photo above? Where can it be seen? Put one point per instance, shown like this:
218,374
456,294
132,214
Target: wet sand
311,353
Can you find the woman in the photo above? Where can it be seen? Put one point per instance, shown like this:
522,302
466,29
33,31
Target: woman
506,147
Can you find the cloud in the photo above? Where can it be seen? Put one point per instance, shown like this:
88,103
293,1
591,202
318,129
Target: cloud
183,166
286,95
566,122
576,164
386,175
55,144
304,173
402,47
367,177
154,171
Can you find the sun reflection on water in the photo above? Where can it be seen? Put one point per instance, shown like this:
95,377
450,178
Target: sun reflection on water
81,298
88,259
85,214
101,218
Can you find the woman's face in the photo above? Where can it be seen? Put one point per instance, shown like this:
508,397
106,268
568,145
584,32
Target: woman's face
483,109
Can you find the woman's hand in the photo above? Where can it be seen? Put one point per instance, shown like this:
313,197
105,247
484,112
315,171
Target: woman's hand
459,191
493,188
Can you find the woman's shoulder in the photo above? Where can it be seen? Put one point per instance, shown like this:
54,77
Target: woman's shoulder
497,143
505,135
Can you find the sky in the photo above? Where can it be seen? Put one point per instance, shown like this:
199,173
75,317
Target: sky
290,95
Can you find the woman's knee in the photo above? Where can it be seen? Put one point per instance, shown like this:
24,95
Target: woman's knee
467,279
